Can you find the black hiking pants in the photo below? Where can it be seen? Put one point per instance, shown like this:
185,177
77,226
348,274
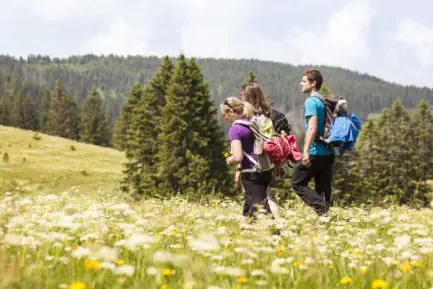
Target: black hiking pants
321,170
255,186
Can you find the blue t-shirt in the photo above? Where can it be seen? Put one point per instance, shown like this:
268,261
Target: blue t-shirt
315,107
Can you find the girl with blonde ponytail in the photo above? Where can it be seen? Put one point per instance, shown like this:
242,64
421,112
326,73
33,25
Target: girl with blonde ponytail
241,137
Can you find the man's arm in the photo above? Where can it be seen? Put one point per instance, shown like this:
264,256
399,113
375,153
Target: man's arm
309,138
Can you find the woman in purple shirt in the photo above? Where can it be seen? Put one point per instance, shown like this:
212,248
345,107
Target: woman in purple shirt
254,182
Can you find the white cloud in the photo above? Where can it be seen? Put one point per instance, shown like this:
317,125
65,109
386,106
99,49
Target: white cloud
344,43
417,39
119,39
60,10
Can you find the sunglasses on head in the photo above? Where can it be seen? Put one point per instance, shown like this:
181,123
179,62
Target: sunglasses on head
227,103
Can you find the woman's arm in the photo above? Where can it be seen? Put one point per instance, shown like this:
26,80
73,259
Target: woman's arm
237,152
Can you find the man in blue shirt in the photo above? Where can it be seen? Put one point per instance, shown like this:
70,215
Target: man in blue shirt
318,159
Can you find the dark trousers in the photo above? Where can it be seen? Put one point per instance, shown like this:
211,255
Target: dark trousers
321,171
255,186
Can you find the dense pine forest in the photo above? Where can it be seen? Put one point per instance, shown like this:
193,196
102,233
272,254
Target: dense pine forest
27,84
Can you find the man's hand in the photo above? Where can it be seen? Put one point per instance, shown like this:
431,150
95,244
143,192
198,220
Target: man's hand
306,159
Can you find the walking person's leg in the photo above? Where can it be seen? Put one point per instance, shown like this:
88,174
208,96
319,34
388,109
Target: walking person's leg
300,179
255,186
323,182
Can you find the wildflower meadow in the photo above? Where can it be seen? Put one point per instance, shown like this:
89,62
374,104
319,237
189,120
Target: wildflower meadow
80,241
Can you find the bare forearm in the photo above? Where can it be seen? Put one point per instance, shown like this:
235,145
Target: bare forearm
309,138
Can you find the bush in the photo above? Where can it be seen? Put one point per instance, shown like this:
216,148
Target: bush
5,157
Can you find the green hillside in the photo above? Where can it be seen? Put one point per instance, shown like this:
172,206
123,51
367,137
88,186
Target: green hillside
51,164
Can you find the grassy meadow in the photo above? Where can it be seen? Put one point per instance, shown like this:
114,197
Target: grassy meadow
64,225
39,162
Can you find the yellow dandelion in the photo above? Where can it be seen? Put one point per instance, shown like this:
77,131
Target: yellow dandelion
167,272
364,270
297,263
91,264
120,262
226,154
164,286
346,280
280,252
238,287
416,264
78,285
379,284
243,280
356,254
331,266
405,267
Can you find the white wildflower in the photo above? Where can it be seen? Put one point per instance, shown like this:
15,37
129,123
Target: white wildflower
127,270
13,240
402,242
204,243
230,271
151,271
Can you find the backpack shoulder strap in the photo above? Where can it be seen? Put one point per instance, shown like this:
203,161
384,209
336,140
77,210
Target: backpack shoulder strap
242,122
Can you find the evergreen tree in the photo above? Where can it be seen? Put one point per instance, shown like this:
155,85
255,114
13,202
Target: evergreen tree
325,90
187,160
5,111
124,121
423,142
72,119
140,170
44,108
19,110
63,116
251,76
54,123
31,114
94,127
210,146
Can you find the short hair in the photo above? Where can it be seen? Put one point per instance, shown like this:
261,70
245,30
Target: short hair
314,75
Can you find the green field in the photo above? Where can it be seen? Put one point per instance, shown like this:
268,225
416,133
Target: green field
51,164
62,228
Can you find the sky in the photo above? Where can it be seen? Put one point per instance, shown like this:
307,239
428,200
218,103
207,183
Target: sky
390,39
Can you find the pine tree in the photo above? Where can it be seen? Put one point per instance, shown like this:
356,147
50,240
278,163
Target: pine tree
64,115
72,119
325,90
210,145
187,160
19,110
423,148
31,115
173,139
140,171
5,111
371,157
124,121
54,124
44,108
94,127
251,76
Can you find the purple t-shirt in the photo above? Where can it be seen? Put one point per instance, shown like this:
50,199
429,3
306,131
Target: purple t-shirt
246,136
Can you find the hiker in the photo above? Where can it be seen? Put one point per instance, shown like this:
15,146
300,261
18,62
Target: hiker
252,93
318,157
255,183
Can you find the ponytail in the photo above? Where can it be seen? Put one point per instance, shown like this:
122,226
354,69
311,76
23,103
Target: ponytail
237,106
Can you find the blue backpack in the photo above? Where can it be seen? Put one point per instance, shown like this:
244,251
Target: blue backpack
341,127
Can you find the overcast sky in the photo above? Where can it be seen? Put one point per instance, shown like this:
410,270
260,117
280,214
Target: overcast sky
391,39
